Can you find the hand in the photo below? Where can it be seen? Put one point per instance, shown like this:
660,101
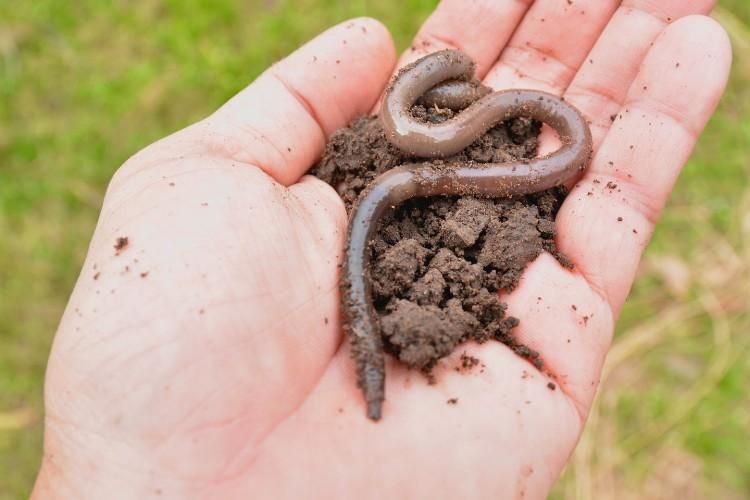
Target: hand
203,356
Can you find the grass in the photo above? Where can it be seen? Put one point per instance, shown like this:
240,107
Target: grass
83,85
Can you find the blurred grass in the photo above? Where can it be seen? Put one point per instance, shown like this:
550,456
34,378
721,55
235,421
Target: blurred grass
83,85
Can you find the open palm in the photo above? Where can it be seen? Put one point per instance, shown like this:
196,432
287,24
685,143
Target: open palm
203,356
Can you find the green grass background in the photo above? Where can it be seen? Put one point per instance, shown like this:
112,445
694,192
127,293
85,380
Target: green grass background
83,85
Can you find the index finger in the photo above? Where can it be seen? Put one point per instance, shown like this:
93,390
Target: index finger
479,28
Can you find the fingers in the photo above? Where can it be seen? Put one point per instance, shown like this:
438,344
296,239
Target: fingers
600,86
551,44
569,326
607,219
281,121
480,28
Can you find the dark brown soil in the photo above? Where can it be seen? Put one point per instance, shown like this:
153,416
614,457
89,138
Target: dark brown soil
121,243
439,263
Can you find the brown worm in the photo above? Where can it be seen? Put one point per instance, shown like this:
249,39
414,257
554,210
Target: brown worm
454,94
412,180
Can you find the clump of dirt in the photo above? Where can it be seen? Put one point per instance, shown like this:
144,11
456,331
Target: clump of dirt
437,264
467,362
121,243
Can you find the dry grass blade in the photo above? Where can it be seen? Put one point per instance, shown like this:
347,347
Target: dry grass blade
690,399
16,419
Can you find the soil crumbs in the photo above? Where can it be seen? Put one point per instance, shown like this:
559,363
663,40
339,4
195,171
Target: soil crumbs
437,264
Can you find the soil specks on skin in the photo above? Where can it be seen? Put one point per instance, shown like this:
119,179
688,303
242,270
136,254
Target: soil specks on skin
467,363
96,275
144,274
452,401
121,243
551,386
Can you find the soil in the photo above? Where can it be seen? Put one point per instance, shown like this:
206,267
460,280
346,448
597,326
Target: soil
437,264
121,243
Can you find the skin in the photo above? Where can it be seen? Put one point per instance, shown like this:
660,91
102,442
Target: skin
457,178
148,397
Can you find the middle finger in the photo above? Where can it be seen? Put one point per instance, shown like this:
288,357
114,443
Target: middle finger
480,28
550,44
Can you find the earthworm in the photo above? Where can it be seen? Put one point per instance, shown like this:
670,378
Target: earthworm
454,94
493,180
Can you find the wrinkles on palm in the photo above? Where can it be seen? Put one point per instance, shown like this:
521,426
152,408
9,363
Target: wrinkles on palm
223,368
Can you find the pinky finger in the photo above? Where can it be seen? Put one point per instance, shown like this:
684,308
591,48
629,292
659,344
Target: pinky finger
608,218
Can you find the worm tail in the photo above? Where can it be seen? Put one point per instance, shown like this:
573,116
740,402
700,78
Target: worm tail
360,320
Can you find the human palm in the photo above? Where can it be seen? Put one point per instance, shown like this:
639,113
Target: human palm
203,357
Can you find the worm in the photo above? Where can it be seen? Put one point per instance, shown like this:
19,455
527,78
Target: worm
411,180
454,94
